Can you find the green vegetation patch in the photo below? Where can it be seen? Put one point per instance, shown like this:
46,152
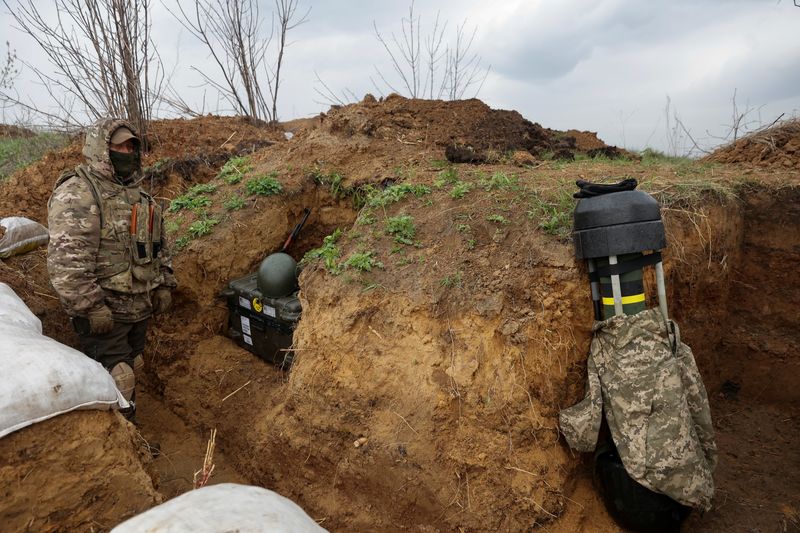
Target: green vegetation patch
19,152
234,203
394,193
329,252
194,199
234,170
402,228
460,188
264,185
498,180
554,215
363,261
202,227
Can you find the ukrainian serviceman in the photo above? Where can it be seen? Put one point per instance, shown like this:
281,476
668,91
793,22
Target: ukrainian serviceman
107,258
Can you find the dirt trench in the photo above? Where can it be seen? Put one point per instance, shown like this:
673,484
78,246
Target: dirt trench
457,391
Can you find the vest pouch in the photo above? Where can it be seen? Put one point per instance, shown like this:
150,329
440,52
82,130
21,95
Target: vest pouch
141,237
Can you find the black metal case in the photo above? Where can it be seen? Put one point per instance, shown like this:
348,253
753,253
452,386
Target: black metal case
263,326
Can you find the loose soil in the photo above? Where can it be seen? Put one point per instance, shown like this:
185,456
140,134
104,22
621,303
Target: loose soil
82,471
449,363
776,147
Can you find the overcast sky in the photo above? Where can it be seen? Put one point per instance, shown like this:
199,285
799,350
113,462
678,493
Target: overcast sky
606,66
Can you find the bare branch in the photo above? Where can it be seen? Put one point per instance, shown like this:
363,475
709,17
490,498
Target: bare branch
102,55
462,72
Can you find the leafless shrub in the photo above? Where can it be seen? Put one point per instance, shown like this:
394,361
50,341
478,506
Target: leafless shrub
239,44
104,60
431,71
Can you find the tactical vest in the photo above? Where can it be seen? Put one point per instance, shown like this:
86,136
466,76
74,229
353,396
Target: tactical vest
127,259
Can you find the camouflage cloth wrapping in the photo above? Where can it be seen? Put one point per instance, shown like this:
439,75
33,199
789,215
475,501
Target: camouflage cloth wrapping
655,404
92,256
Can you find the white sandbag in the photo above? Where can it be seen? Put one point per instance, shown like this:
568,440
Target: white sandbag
43,378
21,235
14,311
223,507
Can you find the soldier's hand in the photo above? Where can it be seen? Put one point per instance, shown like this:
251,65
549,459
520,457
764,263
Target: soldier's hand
162,299
100,321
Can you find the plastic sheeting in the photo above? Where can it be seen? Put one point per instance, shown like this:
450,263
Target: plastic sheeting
223,507
43,378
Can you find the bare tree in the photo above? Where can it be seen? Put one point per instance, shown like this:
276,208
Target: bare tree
418,68
103,57
239,44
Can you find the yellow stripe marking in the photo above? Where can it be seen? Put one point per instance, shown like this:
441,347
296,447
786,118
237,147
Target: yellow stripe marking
633,299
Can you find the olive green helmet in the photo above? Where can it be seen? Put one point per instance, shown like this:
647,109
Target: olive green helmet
277,275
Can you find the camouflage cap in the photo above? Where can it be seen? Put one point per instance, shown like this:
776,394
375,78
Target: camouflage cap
121,135
98,137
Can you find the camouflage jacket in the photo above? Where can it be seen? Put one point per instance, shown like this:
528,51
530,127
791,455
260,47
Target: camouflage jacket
655,404
106,239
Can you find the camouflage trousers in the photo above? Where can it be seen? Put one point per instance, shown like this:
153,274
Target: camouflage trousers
646,383
122,344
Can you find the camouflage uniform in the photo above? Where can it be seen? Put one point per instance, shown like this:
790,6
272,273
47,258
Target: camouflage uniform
106,249
655,405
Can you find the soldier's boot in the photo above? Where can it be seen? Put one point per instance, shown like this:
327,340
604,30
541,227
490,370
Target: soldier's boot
125,380
138,367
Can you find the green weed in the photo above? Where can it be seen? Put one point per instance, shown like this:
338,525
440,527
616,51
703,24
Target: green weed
554,216
182,242
194,198
394,193
264,185
363,261
402,228
500,219
173,225
234,203
463,228
453,280
498,180
329,252
234,170
187,201
366,218
202,227
447,176
460,189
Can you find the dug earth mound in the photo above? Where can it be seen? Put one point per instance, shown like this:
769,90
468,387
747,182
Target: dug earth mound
446,322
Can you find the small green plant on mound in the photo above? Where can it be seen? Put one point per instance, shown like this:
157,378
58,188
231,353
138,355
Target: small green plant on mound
363,261
264,185
500,219
366,218
173,225
447,176
393,193
202,227
186,201
402,228
453,280
463,228
234,170
332,179
329,252
182,242
498,180
460,189
553,216
234,203
194,198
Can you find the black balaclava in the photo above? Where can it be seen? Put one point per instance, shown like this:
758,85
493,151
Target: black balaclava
125,164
